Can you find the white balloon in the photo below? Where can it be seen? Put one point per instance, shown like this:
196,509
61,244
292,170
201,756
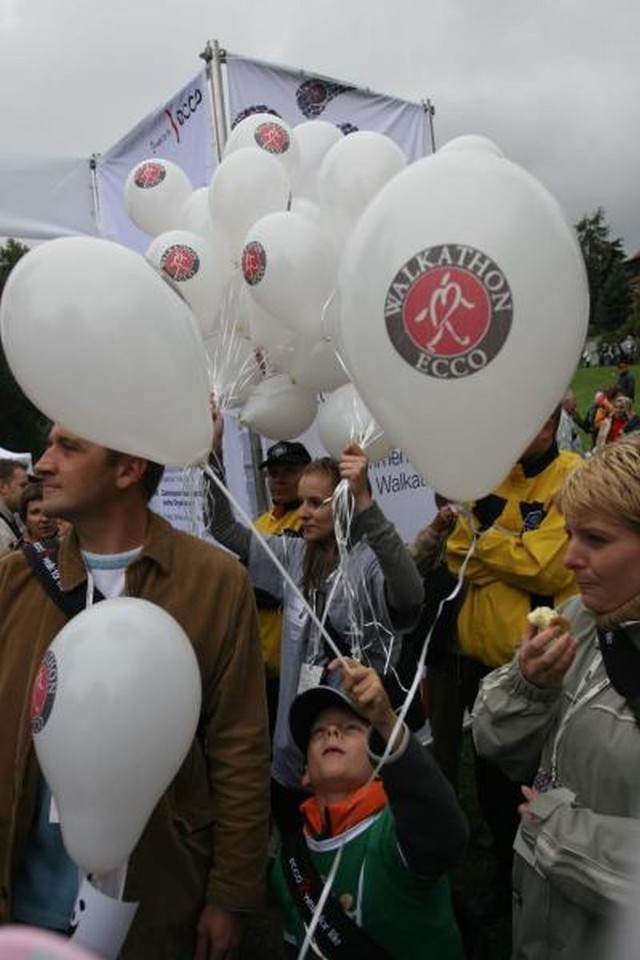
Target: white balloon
194,214
199,267
279,409
248,184
314,139
115,708
234,368
29,943
100,343
155,193
269,133
343,419
290,268
468,287
276,341
472,141
316,366
307,208
351,174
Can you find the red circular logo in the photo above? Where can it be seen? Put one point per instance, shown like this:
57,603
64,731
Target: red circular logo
149,175
272,137
180,262
448,310
44,692
254,262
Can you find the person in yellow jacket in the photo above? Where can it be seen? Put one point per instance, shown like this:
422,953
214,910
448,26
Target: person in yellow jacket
283,464
516,565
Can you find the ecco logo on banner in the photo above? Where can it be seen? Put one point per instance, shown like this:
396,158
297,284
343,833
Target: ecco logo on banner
184,112
448,311
314,95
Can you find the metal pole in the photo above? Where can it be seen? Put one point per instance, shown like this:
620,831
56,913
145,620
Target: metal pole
95,193
430,111
214,57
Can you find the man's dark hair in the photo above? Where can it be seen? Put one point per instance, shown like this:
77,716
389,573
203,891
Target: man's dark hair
555,416
151,476
8,468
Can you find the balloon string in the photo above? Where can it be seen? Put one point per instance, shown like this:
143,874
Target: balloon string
226,351
276,562
317,913
421,659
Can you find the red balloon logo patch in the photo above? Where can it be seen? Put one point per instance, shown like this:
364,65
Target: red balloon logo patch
272,137
254,262
149,175
44,692
180,262
448,311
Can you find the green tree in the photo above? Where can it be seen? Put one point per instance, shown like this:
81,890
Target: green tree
22,426
609,289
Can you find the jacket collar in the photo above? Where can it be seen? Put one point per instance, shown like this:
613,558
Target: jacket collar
336,818
158,548
533,466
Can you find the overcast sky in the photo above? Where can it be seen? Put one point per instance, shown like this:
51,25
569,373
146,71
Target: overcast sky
554,82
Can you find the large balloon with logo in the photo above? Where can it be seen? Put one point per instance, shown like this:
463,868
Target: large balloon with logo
464,308
102,344
114,710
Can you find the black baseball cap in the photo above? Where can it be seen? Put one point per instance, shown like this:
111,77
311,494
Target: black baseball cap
285,451
306,707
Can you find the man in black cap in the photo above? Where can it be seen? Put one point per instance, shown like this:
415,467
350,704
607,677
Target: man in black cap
394,837
283,465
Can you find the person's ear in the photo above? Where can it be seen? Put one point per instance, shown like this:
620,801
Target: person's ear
130,470
305,782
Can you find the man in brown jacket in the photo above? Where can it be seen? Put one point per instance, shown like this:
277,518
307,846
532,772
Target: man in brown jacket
201,859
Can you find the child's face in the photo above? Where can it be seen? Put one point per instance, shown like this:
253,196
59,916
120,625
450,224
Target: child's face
337,758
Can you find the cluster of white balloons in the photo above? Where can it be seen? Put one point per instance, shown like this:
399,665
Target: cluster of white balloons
407,296
446,298
256,257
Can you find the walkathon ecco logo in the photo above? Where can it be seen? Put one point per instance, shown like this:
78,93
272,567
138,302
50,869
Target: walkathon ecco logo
448,311
149,175
272,137
180,262
254,262
44,692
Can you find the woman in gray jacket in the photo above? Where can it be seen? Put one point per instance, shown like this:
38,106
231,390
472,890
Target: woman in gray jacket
563,720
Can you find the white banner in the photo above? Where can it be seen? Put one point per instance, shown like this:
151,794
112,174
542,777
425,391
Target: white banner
43,199
296,96
181,131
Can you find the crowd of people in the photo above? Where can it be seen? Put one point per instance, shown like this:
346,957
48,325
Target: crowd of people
304,787
611,415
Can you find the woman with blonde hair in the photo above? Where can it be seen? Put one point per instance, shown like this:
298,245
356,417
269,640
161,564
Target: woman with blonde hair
563,719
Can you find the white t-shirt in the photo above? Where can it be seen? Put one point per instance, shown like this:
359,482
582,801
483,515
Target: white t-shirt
107,570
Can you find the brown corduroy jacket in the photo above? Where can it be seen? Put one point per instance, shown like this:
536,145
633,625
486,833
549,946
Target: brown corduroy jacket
206,839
